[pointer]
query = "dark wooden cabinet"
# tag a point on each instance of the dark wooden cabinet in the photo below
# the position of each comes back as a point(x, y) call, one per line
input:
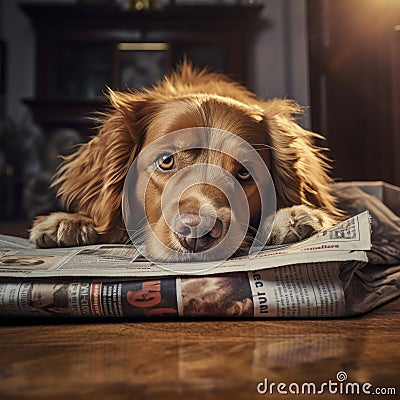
point(81, 49)
point(355, 84)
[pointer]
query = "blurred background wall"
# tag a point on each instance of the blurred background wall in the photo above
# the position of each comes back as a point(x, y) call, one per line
point(338, 58)
point(279, 68)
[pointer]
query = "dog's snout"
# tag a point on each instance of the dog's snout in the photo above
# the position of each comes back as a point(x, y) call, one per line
point(197, 232)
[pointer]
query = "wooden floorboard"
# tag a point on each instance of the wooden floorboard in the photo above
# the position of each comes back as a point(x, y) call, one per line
point(76, 359)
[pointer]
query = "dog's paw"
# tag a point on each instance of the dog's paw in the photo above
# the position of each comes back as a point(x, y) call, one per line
point(62, 230)
point(296, 223)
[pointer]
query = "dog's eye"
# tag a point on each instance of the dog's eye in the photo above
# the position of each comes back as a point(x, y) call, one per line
point(243, 175)
point(166, 162)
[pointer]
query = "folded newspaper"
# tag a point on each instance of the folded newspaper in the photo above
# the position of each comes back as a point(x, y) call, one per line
point(335, 273)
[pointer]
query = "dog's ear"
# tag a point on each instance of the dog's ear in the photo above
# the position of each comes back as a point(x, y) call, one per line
point(299, 168)
point(91, 179)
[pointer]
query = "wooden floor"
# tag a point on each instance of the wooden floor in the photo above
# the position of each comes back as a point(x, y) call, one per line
point(47, 359)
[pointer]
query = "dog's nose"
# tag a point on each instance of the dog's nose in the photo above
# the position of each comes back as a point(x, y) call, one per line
point(197, 232)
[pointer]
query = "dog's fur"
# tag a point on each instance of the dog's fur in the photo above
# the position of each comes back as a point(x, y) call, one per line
point(91, 179)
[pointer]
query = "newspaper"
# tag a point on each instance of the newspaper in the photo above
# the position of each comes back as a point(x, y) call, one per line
point(314, 290)
point(300, 280)
point(346, 241)
point(309, 290)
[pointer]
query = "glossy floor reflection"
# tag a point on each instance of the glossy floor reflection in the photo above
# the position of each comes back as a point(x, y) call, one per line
point(195, 359)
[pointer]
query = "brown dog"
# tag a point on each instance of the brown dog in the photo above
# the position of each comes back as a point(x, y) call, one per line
point(91, 179)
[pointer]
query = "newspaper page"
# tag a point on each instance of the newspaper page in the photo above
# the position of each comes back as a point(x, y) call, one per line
point(348, 240)
point(310, 290)
point(304, 290)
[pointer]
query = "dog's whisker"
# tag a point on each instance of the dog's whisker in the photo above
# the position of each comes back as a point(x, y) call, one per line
point(262, 146)
point(140, 236)
point(139, 239)
point(251, 230)
point(143, 222)
point(138, 231)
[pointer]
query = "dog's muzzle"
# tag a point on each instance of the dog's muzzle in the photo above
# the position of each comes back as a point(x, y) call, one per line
point(197, 232)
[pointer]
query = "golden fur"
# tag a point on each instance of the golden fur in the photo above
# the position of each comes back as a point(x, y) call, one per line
point(91, 179)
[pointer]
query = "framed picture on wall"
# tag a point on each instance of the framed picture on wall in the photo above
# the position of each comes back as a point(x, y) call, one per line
point(140, 64)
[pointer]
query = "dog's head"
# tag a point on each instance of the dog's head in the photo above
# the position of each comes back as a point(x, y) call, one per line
point(196, 176)
point(196, 217)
